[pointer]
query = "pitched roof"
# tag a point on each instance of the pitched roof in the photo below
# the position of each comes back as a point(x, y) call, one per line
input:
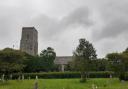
point(63, 59)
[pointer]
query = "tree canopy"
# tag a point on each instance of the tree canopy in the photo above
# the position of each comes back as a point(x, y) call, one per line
point(83, 54)
point(11, 60)
point(48, 56)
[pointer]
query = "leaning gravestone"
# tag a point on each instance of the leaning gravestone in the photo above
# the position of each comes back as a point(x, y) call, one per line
point(36, 83)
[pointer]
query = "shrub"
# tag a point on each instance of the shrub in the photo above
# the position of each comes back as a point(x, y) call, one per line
point(104, 74)
point(61, 75)
point(123, 77)
point(49, 75)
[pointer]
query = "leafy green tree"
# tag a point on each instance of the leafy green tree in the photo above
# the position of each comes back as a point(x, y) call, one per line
point(115, 63)
point(118, 62)
point(34, 64)
point(83, 55)
point(44, 62)
point(11, 60)
point(125, 57)
point(99, 65)
point(126, 50)
point(48, 56)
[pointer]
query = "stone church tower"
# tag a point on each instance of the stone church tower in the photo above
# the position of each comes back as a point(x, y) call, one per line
point(29, 41)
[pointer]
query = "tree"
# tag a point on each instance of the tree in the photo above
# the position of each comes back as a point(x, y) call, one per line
point(44, 62)
point(125, 57)
point(99, 65)
point(11, 61)
point(48, 55)
point(115, 63)
point(126, 50)
point(35, 64)
point(83, 55)
point(118, 62)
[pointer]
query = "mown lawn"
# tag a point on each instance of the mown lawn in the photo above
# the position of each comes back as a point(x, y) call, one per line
point(101, 83)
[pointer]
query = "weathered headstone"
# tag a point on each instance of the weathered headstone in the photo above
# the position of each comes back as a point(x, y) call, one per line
point(36, 77)
point(110, 76)
point(122, 81)
point(22, 77)
point(94, 86)
point(3, 78)
point(36, 85)
point(19, 78)
point(10, 76)
point(29, 78)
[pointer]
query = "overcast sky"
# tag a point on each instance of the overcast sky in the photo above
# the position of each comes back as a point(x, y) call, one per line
point(60, 23)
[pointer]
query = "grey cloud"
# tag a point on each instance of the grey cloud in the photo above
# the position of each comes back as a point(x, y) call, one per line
point(50, 28)
point(11, 21)
point(114, 29)
point(79, 16)
point(45, 25)
point(110, 16)
point(115, 20)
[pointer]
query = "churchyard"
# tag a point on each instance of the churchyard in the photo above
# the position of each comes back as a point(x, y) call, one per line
point(93, 83)
point(64, 44)
point(19, 70)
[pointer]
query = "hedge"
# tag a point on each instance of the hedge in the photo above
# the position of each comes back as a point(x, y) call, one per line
point(58, 75)
point(61, 75)
point(123, 77)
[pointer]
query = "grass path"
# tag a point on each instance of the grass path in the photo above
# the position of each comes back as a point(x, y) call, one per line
point(65, 84)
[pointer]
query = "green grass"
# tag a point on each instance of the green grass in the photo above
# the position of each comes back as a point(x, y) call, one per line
point(102, 83)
